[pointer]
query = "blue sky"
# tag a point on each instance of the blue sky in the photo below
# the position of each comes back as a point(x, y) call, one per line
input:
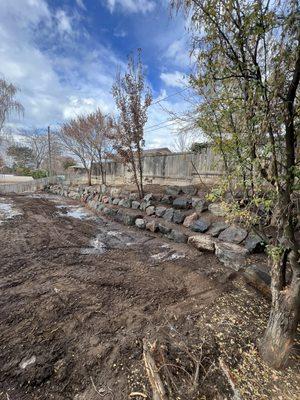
point(63, 56)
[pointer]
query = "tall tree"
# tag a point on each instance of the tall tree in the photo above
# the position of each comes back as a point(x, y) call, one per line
point(8, 104)
point(132, 100)
point(22, 155)
point(248, 72)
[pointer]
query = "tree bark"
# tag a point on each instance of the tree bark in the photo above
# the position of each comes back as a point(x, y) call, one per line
point(279, 336)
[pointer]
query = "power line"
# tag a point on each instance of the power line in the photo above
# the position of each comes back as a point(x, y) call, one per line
point(162, 125)
point(171, 95)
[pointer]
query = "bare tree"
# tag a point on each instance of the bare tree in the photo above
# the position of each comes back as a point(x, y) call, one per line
point(132, 101)
point(39, 146)
point(8, 104)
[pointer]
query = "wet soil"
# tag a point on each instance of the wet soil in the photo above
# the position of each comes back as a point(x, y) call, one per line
point(79, 293)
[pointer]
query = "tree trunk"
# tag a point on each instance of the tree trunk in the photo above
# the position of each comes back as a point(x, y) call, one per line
point(284, 316)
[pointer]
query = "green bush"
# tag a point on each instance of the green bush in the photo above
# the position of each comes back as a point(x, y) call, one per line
point(40, 173)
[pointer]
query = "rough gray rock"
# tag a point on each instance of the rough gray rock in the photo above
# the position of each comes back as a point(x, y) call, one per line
point(150, 210)
point(129, 219)
point(126, 203)
point(148, 197)
point(109, 211)
point(164, 229)
point(254, 243)
point(233, 234)
point(200, 225)
point(145, 204)
point(216, 209)
point(216, 228)
point(135, 204)
point(152, 226)
point(116, 201)
point(100, 206)
point(173, 190)
point(133, 196)
point(231, 255)
point(167, 199)
point(257, 277)
point(178, 217)
point(168, 215)
point(159, 211)
point(177, 236)
point(190, 190)
point(190, 219)
point(201, 206)
point(202, 242)
point(182, 203)
point(140, 223)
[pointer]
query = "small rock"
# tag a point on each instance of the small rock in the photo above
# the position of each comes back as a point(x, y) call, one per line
point(26, 362)
point(133, 196)
point(164, 229)
point(148, 197)
point(116, 201)
point(202, 242)
point(126, 203)
point(105, 199)
point(150, 210)
point(135, 204)
point(233, 234)
point(178, 217)
point(216, 209)
point(145, 204)
point(177, 236)
point(159, 211)
point(254, 243)
point(167, 199)
point(168, 215)
point(109, 211)
point(201, 206)
point(129, 219)
point(100, 206)
point(190, 190)
point(152, 226)
point(140, 223)
point(200, 225)
point(190, 219)
point(173, 190)
point(231, 255)
point(216, 228)
point(182, 203)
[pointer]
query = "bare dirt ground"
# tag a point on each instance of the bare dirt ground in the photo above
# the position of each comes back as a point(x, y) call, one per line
point(79, 293)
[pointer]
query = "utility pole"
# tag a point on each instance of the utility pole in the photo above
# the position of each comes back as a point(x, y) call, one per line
point(49, 152)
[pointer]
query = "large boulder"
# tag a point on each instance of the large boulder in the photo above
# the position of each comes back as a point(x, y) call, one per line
point(233, 234)
point(173, 190)
point(216, 209)
point(216, 228)
point(182, 203)
point(160, 210)
point(150, 210)
point(177, 236)
point(257, 277)
point(140, 223)
point(201, 225)
point(178, 217)
point(129, 218)
point(190, 219)
point(144, 204)
point(168, 215)
point(116, 201)
point(202, 242)
point(231, 255)
point(109, 211)
point(254, 243)
point(148, 197)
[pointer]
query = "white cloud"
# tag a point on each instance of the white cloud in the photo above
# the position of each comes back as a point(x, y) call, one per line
point(131, 6)
point(53, 85)
point(63, 22)
point(178, 52)
point(80, 4)
point(174, 79)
